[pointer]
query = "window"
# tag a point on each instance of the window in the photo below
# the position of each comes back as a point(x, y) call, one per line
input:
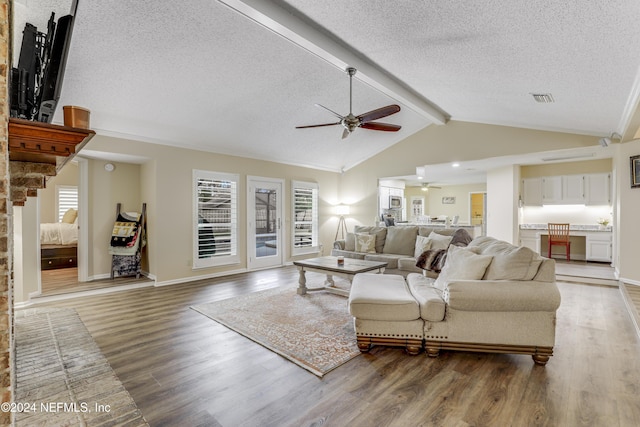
point(215, 238)
point(305, 217)
point(66, 198)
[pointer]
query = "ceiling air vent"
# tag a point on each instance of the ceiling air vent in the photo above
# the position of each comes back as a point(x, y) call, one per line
point(545, 98)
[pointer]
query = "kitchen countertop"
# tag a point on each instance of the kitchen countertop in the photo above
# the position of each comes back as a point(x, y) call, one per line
point(573, 227)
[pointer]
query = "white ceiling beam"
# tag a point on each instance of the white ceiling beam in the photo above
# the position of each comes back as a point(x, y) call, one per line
point(318, 43)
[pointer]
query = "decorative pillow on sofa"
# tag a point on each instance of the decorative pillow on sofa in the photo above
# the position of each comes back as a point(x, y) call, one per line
point(438, 241)
point(379, 232)
point(462, 264)
point(401, 240)
point(422, 244)
point(366, 243)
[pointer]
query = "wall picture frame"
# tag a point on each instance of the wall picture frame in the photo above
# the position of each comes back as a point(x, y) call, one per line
point(448, 200)
point(395, 202)
point(635, 171)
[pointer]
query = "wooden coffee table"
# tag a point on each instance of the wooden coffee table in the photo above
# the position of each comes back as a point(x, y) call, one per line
point(329, 266)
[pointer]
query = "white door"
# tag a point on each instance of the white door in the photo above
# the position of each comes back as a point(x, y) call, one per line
point(264, 222)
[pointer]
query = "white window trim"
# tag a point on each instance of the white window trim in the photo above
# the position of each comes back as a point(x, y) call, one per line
point(315, 246)
point(220, 260)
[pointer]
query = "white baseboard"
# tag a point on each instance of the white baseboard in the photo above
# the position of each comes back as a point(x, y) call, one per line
point(202, 277)
point(630, 281)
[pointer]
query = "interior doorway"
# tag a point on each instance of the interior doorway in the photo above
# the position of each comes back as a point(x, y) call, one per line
point(478, 209)
point(264, 222)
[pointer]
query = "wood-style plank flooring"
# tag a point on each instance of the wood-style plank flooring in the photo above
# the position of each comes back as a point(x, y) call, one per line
point(65, 280)
point(184, 369)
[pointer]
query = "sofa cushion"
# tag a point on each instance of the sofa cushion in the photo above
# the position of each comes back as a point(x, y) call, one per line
point(366, 243)
point(425, 230)
point(401, 240)
point(408, 264)
point(509, 262)
point(390, 259)
point(347, 254)
point(462, 264)
point(422, 244)
point(382, 297)
point(432, 306)
point(350, 242)
point(380, 232)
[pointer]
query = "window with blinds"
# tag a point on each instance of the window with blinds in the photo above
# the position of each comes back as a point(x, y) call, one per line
point(66, 198)
point(215, 219)
point(305, 217)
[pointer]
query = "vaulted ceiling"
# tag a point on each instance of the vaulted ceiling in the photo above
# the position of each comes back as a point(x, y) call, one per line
point(236, 77)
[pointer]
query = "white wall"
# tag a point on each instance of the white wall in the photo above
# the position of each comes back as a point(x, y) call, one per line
point(164, 182)
point(502, 211)
point(26, 257)
point(627, 213)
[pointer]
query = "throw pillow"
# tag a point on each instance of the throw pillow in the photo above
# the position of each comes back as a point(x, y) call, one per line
point(401, 240)
point(69, 216)
point(366, 243)
point(380, 233)
point(462, 264)
point(422, 244)
point(438, 241)
point(350, 242)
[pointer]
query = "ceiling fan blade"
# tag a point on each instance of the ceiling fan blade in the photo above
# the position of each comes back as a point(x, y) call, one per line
point(345, 133)
point(381, 126)
point(379, 113)
point(331, 111)
point(317, 126)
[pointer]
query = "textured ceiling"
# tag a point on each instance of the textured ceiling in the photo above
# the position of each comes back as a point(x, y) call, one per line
point(200, 74)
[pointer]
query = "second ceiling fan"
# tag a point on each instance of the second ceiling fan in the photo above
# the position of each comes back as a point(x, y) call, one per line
point(365, 121)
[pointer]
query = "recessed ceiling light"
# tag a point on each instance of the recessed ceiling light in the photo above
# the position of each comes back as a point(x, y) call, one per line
point(545, 98)
point(455, 165)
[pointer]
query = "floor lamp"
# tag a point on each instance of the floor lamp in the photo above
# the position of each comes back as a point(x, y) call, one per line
point(341, 210)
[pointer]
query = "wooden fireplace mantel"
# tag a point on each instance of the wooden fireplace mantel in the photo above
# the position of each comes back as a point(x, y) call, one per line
point(39, 142)
point(37, 152)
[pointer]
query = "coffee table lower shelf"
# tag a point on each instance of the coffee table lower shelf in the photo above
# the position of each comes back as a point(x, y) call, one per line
point(329, 266)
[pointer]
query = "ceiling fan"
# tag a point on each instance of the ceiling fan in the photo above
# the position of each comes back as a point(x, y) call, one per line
point(365, 121)
point(426, 186)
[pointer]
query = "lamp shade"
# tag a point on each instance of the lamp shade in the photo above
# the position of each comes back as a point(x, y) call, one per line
point(342, 210)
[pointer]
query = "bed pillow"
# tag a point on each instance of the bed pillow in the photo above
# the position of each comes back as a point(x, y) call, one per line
point(366, 243)
point(69, 216)
point(462, 264)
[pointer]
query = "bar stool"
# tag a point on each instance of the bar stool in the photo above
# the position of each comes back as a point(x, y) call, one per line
point(559, 236)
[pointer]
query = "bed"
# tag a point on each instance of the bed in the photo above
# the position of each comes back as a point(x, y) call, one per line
point(59, 243)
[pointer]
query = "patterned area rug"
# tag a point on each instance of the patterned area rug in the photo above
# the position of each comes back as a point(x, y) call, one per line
point(62, 378)
point(315, 331)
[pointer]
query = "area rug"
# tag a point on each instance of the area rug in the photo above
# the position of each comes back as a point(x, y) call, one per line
point(314, 331)
point(62, 378)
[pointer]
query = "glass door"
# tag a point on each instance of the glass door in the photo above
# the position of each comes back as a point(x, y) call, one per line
point(264, 217)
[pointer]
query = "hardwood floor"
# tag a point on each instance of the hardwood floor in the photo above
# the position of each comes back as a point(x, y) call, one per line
point(184, 369)
point(65, 280)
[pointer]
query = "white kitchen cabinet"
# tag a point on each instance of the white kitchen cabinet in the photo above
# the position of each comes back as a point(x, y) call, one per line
point(598, 189)
point(532, 191)
point(573, 189)
point(552, 190)
point(530, 239)
point(599, 247)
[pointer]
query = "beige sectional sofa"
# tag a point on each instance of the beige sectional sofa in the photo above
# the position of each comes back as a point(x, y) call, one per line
point(399, 245)
point(490, 297)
